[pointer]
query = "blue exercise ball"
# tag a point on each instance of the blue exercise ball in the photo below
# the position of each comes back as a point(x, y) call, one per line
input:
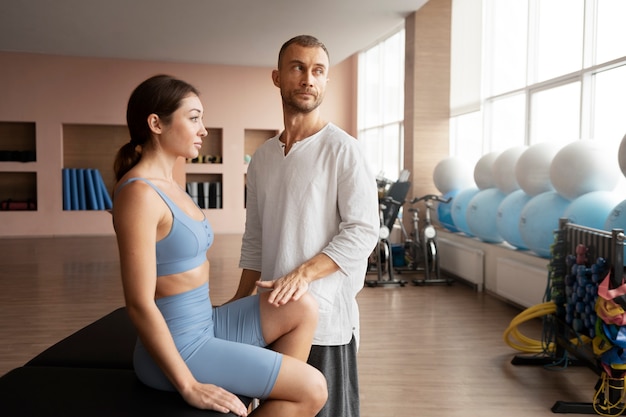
point(617, 219)
point(509, 212)
point(459, 209)
point(444, 212)
point(482, 212)
point(592, 209)
point(539, 219)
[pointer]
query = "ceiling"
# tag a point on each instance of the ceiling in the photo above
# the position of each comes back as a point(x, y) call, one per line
point(228, 32)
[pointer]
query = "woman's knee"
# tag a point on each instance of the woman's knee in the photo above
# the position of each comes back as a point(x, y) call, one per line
point(314, 394)
point(302, 384)
point(319, 390)
point(309, 305)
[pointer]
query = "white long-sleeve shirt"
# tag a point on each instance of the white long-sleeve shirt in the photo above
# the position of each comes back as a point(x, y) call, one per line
point(320, 197)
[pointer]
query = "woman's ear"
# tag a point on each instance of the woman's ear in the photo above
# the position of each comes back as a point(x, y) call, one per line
point(154, 122)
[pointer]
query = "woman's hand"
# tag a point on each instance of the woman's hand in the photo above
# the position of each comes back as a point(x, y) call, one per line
point(212, 397)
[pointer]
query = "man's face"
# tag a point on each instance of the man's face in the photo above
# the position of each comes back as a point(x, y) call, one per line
point(302, 77)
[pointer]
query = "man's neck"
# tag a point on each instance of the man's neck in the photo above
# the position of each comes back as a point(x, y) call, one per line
point(301, 126)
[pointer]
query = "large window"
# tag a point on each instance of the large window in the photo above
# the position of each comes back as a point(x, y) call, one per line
point(555, 114)
point(381, 104)
point(552, 70)
point(608, 116)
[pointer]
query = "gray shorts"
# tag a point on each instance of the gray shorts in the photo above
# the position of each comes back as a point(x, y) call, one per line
point(339, 366)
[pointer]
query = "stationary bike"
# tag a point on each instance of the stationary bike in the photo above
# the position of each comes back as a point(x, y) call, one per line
point(381, 258)
point(420, 246)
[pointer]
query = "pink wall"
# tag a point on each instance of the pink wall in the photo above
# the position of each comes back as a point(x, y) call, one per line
point(340, 105)
point(53, 90)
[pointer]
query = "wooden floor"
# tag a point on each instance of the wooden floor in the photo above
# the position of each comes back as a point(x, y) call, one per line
point(432, 350)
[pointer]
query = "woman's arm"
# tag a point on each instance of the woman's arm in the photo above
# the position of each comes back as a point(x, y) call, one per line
point(138, 215)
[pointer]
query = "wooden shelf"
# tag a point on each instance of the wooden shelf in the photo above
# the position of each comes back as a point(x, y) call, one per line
point(93, 146)
point(18, 186)
point(253, 138)
point(17, 136)
point(203, 168)
point(18, 180)
point(18, 167)
point(212, 145)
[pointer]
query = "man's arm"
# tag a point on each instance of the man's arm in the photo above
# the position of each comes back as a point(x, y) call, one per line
point(247, 284)
point(296, 283)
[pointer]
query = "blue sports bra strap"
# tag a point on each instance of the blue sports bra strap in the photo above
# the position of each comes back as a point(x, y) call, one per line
point(128, 181)
point(173, 207)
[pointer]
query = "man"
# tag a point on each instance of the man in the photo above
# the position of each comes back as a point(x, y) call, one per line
point(312, 219)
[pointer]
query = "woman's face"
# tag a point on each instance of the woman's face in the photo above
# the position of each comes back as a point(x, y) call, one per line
point(183, 136)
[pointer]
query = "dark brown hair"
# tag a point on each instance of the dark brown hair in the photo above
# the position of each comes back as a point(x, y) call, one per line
point(160, 95)
point(302, 40)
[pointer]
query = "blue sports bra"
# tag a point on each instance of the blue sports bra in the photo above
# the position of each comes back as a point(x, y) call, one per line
point(185, 246)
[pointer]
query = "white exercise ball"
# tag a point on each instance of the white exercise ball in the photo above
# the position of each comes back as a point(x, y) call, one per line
point(452, 173)
point(504, 169)
point(584, 166)
point(621, 155)
point(483, 171)
point(532, 170)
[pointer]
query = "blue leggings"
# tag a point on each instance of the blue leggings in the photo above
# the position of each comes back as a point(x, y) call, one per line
point(223, 346)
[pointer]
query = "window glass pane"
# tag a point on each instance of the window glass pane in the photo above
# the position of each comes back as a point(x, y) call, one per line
point(555, 115)
point(383, 149)
point(507, 122)
point(507, 34)
point(390, 151)
point(466, 136)
point(609, 124)
point(393, 79)
point(381, 104)
point(559, 42)
point(611, 30)
point(370, 138)
point(548, 39)
point(371, 79)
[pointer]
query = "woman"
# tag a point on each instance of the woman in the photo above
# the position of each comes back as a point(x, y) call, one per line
point(207, 354)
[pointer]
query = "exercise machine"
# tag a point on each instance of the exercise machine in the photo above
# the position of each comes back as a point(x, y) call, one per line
point(381, 258)
point(420, 245)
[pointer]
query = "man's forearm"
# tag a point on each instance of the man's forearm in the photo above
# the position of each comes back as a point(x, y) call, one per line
point(320, 266)
point(247, 283)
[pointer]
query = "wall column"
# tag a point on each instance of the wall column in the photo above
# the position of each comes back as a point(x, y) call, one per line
point(427, 93)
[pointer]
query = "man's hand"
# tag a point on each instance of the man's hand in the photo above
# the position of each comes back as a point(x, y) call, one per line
point(296, 283)
point(288, 288)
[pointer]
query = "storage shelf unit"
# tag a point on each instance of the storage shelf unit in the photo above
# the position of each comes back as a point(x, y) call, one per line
point(18, 180)
point(253, 138)
point(94, 146)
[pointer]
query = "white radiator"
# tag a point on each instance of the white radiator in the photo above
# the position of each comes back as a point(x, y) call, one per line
point(462, 261)
point(520, 282)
